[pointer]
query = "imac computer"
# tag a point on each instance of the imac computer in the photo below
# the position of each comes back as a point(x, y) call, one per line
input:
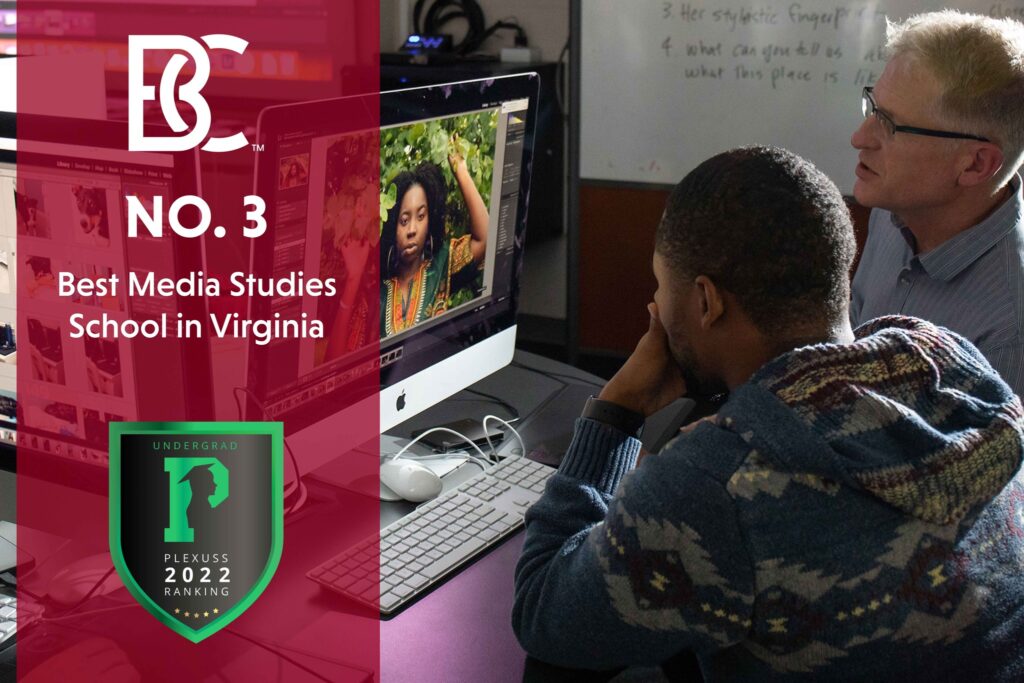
point(457, 156)
point(62, 188)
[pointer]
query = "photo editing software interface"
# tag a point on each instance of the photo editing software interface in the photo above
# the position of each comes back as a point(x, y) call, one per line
point(429, 299)
point(63, 208)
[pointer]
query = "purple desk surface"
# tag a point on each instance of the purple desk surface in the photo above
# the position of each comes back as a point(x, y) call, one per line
point(460, 632)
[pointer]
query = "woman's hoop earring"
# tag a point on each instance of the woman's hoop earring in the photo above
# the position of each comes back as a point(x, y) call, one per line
point(391, 252)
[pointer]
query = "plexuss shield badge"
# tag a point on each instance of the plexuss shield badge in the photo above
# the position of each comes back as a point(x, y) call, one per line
point(196, 517)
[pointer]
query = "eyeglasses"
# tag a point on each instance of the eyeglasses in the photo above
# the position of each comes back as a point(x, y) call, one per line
point(869, 108)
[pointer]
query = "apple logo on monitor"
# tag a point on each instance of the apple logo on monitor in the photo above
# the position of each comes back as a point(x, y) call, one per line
point(400, 401)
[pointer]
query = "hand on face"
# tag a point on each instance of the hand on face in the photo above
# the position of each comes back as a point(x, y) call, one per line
point(650, 379)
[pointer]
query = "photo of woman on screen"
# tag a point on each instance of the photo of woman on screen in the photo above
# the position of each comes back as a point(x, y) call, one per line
point(418, 259)
point(409, 247)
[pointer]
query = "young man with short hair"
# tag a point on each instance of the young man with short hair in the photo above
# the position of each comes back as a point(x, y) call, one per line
point(855, 511)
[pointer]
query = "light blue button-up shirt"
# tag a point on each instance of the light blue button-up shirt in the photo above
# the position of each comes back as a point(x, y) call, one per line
point(972, 283)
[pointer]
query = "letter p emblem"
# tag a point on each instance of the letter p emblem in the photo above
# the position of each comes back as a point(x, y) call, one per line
point(195, 484)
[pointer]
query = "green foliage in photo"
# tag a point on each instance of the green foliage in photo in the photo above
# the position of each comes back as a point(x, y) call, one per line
point(406, 147)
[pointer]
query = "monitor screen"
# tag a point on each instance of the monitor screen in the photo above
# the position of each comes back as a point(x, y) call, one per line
point(62, 210)
point(439, 221)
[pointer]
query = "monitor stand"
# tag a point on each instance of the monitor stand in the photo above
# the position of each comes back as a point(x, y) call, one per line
point(547, 429)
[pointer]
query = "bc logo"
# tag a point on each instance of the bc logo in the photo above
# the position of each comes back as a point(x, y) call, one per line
point(189, 93)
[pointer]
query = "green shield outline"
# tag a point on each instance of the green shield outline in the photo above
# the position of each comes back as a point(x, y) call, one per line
point(275, 430)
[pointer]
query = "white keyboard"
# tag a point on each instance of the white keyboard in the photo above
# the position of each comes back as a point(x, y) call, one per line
point(421, 549)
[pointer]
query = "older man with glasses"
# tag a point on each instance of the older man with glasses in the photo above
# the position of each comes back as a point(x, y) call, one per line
point(939, 148)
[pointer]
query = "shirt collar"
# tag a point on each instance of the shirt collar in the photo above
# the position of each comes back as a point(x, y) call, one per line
point(950, 258)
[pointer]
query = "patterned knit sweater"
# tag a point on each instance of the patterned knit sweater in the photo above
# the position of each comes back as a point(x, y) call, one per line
point(855, 513)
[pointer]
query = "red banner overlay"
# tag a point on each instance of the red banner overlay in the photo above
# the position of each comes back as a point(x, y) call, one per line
point(172, 265)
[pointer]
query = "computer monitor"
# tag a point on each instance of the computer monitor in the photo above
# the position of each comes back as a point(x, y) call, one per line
point(62, 208)
point(465, 325)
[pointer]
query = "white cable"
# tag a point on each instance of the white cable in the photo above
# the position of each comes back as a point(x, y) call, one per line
point(522, 446)
point(465, 457)
point(483, 456)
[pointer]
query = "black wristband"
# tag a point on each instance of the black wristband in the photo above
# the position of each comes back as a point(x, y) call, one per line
point(614, 415)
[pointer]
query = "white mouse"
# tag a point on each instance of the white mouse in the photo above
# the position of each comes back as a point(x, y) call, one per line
point(410, 480)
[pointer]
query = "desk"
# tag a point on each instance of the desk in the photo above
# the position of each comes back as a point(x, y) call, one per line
point(461, 631)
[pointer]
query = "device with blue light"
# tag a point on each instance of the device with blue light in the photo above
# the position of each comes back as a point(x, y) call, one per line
point(418, 43)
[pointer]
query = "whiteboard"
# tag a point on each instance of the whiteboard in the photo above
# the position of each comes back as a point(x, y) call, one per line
point(665, 84)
